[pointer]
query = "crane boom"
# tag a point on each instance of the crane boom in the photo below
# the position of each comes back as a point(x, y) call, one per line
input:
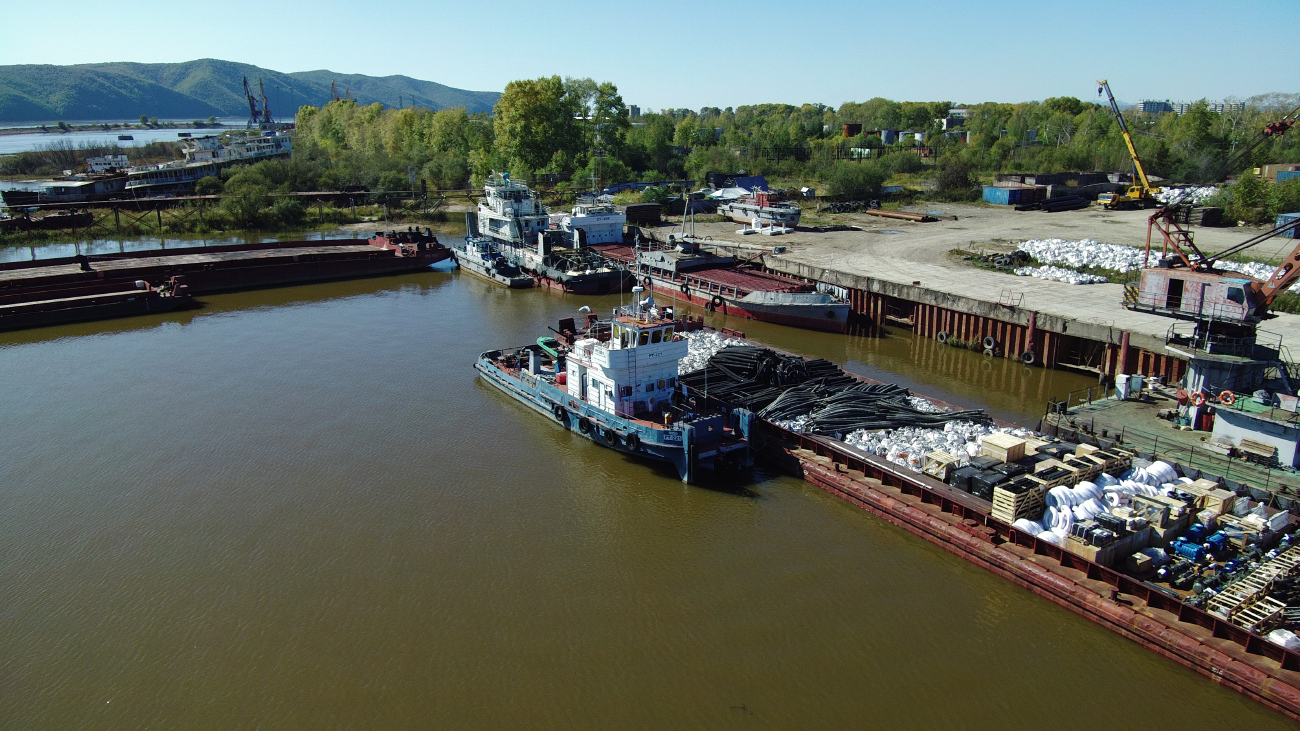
point(253, 114)
point(1128, 138)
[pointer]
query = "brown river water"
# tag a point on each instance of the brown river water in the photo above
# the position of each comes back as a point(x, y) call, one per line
point(297, 508)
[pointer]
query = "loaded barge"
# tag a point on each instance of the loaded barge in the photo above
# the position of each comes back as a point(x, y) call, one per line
point(55, 291)
point(1223, 638)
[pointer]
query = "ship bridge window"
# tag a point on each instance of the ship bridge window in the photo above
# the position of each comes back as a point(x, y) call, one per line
point(1237, 294)
point(643, 338)
point(657, 336)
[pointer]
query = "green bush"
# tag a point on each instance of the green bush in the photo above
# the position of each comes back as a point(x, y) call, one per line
point(210, 185)
point(855, 180)
point(288, 210)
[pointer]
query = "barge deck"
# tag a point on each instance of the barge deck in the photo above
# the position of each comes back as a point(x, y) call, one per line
point(963, 524)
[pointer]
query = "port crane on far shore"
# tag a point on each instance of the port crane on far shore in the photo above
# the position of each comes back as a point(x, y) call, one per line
point(1140, 194)
point(258, 117)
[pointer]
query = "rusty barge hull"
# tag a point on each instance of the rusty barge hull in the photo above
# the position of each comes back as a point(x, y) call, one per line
point(960, 523)
point(217, 268)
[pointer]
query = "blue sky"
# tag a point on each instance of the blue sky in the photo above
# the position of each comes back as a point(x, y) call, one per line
point(692, 54)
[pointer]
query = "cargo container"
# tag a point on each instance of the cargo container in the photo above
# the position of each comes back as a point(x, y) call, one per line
point(1284, 218)
point(1013, 195)
point(1286, 175)
point(1274, 171)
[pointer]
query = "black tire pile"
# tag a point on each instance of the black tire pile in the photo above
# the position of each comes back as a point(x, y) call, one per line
point(780, 387)
point(860, 406)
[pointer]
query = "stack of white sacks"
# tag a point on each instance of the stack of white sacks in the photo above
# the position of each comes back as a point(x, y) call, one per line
point(1057, 274)
point(908, 446)
point(1089, 253)
point(702, 344)
point(1087, 500)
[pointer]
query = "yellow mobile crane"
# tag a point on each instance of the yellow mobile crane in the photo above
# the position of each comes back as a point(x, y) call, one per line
point(1140, 193)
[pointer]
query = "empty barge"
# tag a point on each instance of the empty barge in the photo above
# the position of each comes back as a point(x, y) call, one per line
point(55, 291)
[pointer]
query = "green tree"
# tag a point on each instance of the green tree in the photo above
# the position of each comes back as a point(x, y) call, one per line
point(534, 122)
point(144, 119)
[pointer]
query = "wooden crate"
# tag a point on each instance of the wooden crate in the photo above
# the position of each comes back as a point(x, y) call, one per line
point(939, 464)
point(1032, 445)
point(1083, 449)
point(1084, 469)
point(1021, 498)
point(1067, 476)
point(1220, 501)
point(1115, 459)
point(1002, 447)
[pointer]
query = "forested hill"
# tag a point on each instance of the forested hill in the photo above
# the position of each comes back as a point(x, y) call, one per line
point(199, 89)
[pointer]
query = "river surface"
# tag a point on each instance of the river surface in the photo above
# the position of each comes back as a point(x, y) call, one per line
point(297, 508)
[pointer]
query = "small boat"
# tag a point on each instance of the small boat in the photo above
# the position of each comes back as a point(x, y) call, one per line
point(763, 207)
point(615, 383)
point(125, 138)
point(480, 256)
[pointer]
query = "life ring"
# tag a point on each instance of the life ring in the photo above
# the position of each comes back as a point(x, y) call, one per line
point(1198, 399)
point(633, 442)
point(560, 414)
point(989, 342)
point(942, 337)
point(717, 301)
point(648, 283)
point(1028, 357)
point(611, 437)
point(584, 425)
point(1227, 398)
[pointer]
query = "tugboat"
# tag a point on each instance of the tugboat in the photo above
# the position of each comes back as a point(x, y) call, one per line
point(616, 384)
point(480, 256)
point(510, 214)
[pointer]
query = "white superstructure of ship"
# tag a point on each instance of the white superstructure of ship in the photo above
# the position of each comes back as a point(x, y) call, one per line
point(205, 156)
point(763, 207)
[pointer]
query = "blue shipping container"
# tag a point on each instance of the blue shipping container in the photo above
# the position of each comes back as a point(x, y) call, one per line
point(1287, 218)
point(1002, 196)
point(1286, 175)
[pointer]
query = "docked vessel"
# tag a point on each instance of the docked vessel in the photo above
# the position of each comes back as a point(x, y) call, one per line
point(616, 384)
point(480, 256)
point(511, 215)
point(96, 302)
point(105, 178)
point(599, 223)
point(686, 271)
point(763, 207)
point(205, 156)
point(68, 282)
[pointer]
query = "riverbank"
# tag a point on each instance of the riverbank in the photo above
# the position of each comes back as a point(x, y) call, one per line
point(111, 127)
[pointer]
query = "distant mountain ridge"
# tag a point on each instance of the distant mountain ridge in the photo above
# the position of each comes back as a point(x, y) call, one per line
point(199, 89)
